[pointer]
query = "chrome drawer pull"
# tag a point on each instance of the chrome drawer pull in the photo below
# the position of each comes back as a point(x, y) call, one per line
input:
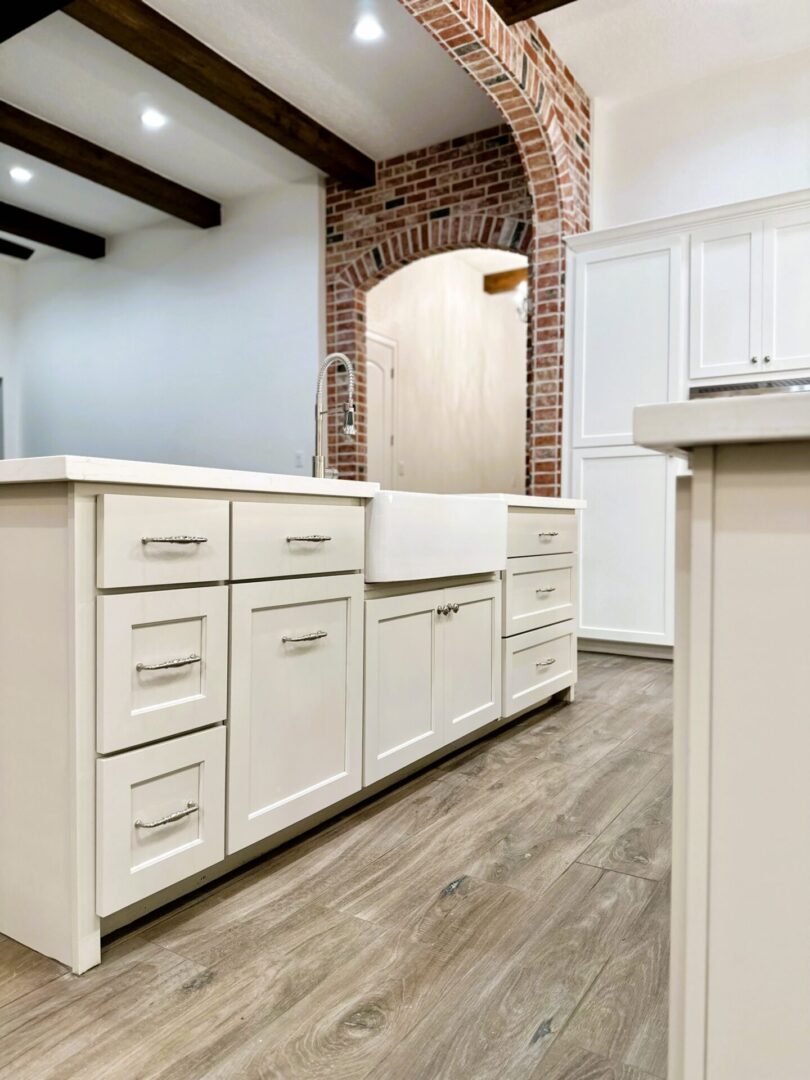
point(549, 660)
point(548, 589)
point(191, 808)
point(181, 661)
point(316, 635)
point(174, 539)
point(548, 534)
point(315, 539)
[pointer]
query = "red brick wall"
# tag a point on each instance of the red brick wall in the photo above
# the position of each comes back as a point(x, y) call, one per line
point(548, 115)
point(469, 192)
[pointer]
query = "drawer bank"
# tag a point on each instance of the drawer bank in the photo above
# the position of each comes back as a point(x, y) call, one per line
point(193, 670)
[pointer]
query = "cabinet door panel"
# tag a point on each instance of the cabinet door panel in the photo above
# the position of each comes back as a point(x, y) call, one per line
point(296, 714)
point(725, 300)
point(627, 554)
point(472, 658)
point(786, 308)
point(627, 337)
point(403, 706)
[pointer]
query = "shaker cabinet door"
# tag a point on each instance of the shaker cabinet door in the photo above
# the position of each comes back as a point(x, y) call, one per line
point(472, 658)
point(295, 730)
point(786, 288)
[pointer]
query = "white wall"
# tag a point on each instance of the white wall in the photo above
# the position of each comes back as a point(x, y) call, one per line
point(739, 135)
point(461, 377)
point(186, 346)
point(9, 432)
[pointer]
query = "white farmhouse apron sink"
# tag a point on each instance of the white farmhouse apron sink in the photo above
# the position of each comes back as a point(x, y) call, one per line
point(413, 536)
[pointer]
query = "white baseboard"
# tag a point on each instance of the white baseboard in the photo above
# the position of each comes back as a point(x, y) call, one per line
point(626, 648)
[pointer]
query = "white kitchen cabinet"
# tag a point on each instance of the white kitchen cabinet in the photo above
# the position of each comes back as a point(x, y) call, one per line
point(786, 288)
point(296, 716)
point(432, 672)
point(627, 336)
point(627, 545)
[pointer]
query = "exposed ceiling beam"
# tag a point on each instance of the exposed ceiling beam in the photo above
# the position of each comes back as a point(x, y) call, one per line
point(18, 15)
point(16, 251)
point(51, 143)
point(515, 11)
point(43, 230)
point(150, 36)
point(505, 280)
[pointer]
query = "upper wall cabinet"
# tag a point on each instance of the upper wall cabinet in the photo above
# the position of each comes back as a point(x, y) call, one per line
point(725, 324)
point(627, 336)
point(786, 291)
point(749, 313)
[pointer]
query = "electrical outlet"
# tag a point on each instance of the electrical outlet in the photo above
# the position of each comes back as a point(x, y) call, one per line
point(401, 468)
point(299, 459)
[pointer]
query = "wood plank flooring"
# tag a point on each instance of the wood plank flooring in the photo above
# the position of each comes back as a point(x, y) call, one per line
point(502, 916)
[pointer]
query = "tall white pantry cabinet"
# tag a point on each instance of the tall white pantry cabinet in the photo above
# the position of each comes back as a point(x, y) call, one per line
point(653, 310)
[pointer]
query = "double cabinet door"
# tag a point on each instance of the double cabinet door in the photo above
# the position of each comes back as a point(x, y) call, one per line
point(296, 712)
point(748, 296)
point(433, 672)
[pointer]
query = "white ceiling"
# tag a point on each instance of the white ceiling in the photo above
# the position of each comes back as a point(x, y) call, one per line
point(628, 48)
point(386, 97)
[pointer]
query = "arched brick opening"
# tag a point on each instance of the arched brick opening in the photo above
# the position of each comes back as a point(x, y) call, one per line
point(548, 114)
point(348, 301)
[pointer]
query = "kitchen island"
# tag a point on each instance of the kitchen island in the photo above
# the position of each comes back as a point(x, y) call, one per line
point(740, 982)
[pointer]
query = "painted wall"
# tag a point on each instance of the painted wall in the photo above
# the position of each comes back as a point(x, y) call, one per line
point(461, 377)
point(183, 346)
point(9, 432)
point(739, 135)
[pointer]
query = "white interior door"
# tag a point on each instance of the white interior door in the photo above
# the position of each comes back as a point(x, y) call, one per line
point(381, 355)
point(627, 552)
point(786, 288)
point(726, 300)
point(628, 336)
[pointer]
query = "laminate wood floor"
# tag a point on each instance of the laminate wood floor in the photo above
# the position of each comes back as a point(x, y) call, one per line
point(501, 916)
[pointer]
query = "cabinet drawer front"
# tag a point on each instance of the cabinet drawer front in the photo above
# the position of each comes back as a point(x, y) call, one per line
point(538, 592)
point(288, 539)
point(161, 816)
point(152, 540)
point(295, 737)
point(541, 532)
point(538, 664)
point(162, 664)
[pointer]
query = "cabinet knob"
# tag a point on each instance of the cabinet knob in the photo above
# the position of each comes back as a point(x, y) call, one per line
point(454, 608)
point(754, 359)
point(766, 359)
point(443, 610)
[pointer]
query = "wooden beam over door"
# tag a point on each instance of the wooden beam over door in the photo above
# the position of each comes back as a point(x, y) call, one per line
point(15, 251)
point(50, 143)
point(18, 15)
point(151, 37)
point(505, 280)
point(44, 230)
point(515, 11)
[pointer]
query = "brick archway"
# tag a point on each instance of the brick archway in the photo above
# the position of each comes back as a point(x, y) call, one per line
point(396, 251)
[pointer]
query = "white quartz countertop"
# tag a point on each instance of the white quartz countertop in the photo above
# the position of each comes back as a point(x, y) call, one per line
point(759, 418)
point(153, 474)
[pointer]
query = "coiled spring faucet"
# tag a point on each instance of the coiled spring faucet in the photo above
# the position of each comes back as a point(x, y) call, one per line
point(319, 463)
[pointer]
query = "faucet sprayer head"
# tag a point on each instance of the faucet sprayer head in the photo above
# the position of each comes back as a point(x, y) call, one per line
point(349, 425)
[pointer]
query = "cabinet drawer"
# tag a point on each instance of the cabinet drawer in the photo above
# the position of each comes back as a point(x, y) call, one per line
point(152, 540)
point(538, 592)
point(541, 532)
point(537, 664)
point(160, 816)
point(296, 709)
point(288, 539)
point(162, 664)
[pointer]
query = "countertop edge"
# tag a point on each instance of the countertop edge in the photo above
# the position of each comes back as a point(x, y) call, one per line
point(682, 425)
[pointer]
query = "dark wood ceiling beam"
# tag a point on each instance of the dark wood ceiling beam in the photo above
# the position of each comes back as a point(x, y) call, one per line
point(44, 230)
point(515, 11)
point(505, 280)
point(15, 251)
point(50, 143)
point(151, 37)
point(18, 15)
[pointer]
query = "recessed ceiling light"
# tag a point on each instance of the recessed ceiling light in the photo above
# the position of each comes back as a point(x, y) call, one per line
point(20, 175)
point(154, 120)
point(367, 28)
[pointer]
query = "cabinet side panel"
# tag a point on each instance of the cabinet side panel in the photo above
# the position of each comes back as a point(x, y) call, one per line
point(36, 848)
